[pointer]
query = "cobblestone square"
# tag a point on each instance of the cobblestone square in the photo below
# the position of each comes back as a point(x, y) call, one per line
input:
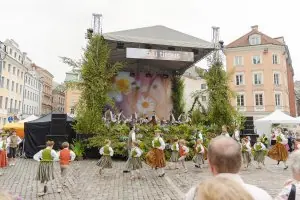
point(85, 183)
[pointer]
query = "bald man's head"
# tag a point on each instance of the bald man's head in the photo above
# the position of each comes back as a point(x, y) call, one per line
point(224, 155)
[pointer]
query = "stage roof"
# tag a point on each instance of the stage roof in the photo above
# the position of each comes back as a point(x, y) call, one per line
point(159, 35)
point(156, 38)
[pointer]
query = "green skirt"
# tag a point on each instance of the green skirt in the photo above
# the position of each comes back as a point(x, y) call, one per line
point(135, 163)
point(259, 156)
point(45, 172)
point(198, 159)
point(174, 156)
point(105, 162)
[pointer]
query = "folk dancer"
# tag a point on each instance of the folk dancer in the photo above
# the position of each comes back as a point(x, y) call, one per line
point(174, 153)
point(265, 140)
point(3, 153)
point(155, 158)
point(45, 173)
point(172, 119)
point(297, 142)
point(224, 131)
point(236, 135)
point(131, 139)
point(106, 153)
point(259, 153)
point(135, 163)
point(278, 151)
point(13, 142)
point(198, 159)
point(183, 152)
point(183, 117)
point(65, 156)
point(246, 152)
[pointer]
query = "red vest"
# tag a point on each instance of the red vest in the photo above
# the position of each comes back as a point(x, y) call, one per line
point(181, 151)
point(65, 157)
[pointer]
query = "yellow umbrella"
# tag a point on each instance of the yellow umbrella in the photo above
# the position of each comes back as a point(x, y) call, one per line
point(18, 127)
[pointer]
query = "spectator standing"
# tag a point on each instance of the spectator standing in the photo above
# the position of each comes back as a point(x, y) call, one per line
point(225, 160)
point(13, 142)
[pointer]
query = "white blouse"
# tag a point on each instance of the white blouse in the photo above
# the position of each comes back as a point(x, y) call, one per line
point(111, 151)
point(161, 141)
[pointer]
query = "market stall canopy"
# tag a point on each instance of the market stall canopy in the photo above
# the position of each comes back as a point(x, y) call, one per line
point(28, 119)
point(278, 117)
point(18, 127)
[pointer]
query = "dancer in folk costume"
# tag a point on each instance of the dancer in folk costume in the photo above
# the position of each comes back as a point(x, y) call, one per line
point(259, 153)
point(131, 139)
point(155, 158)
point(246, 152)
point(45, 173)
point(278, 151)
point(265, 140)
point(183, 152)
point(135, 163)
point(175, 153)
point(105, 161)
point(3, 153)
point(224, 131)
point(236, 135)
point(65, 156)
point(13, 142)
point(198, 159)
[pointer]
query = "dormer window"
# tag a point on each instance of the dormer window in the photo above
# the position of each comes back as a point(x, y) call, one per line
point(255, 39)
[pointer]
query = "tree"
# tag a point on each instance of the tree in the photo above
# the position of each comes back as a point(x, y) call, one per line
point(97, 74)
point(177, 95)
point(220, 111)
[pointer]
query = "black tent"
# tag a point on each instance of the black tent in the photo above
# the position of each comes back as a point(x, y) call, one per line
point(37, 132)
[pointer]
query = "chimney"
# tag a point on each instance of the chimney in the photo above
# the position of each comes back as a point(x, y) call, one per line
point(255, 27)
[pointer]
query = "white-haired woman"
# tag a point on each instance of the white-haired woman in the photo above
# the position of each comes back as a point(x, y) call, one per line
point(291, 188)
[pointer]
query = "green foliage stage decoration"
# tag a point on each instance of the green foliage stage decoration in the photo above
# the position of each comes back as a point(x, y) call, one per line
point(177, 95)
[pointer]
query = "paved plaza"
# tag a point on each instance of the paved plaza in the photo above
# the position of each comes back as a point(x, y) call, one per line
point(85, 183)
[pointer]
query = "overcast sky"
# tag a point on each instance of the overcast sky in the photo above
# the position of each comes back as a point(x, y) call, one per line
point(53, 28)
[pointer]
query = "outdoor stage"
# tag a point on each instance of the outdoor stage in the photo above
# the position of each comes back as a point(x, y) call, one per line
point(152, 56)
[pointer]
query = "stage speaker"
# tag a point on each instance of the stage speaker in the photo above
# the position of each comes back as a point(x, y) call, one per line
point(248, 126)
point(58, 124)
point(58, 140)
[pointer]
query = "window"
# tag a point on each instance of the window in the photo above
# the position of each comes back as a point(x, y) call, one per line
point(9, 66)
point(17, 87)
point(258, 79)
point(18, 72)
point(203, 98)
point(19, 105)
point(2, 81)
point(21, 87)
point(14, 70)
point(1, 100)
point(277, 99)
point(27, 94)
point(11, 103)
point(7, 84)
point(15, 54)
point(203, 86)
point(10, 51)
point(239, 79)
point(22, 75)
point(12, 86)
point(259, 101)
point(240, 100)
point(16, 102)
point(254, 40)
point(4, 64)
point(4, 121)
point(238, 60)
point(275, 59)
point(256, 60)
point(27, 109)
point(19, 58)
point(6, 102)
point(276, 78)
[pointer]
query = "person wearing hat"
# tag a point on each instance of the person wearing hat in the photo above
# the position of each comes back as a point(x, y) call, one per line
point(259, 152)
point(156, 157)
point(224, 131)
point(3, 153)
